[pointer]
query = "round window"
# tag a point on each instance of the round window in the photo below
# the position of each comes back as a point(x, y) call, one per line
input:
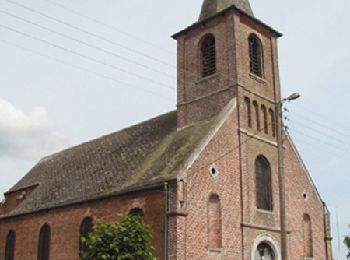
point(213, 170)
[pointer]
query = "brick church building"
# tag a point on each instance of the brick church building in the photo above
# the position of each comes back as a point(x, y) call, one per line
point(205, 177)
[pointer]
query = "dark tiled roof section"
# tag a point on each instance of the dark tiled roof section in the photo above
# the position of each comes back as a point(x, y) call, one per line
point(138, 156)
point(212, 7)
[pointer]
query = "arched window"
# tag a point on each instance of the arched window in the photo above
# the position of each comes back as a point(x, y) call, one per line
point(208, 55)
point(255, 55)
point(263, 184)
point(307, 232)
point(273, 122)
point(257, 115)
point(248, 111)
point(266, 124)
point(86, 227)
point(214, 222)
point(44, 242)
point(10, 245)
point(264, 252)
point(136, 212)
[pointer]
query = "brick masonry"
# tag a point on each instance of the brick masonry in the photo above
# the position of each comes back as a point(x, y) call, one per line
point(65, 225)
point(231, 147)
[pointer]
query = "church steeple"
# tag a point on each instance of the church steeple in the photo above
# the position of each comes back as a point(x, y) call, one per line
point(212, 7)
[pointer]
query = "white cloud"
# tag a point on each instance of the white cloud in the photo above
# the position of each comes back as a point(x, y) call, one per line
point(27, 135)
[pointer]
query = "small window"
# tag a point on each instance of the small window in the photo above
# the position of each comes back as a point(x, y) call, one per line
point(263, 184)
point(86, 228)
point(257, 115)
point(208, 55)
point(10, 246)
point(136, 212)
point(248, 111)
point(266, 124)
point(214, 222)
point(255, 55)
point(213, 170)
point(44, 243)
point(273, 122)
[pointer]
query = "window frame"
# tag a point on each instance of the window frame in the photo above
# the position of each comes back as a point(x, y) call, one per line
point(44, 242)
point(205, 69)
point(256, 56)
point(86, 227)
point(263, 184)
point(10, 246)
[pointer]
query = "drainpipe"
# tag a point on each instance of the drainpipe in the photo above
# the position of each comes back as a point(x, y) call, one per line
point(166, 190)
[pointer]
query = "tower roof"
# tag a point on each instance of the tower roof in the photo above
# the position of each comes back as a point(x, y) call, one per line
point(212, 7)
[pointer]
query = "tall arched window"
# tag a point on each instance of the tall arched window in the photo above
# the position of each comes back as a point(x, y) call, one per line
point(44, 242)
point(208, 55)
point(266, 124)
point(136, 212)
point(10, 245)
point(307, 232)
point(214, 222)
point(255, 55)
point(263, 184)
point(273, 122)
point(257, 115)
point(86, 227)
point(248, 111)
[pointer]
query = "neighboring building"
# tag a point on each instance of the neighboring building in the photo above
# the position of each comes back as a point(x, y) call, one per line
point(205, 177)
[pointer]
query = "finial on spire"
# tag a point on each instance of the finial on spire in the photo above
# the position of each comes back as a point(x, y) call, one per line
point(212, 7)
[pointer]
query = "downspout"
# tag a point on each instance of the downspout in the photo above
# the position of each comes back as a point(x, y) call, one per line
point(166, 191)
point(240, 170)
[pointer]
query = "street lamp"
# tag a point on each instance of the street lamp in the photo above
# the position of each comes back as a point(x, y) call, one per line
point(282, 187)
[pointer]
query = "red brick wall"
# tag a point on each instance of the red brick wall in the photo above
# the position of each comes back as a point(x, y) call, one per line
point(242, 222)
point(65, 224)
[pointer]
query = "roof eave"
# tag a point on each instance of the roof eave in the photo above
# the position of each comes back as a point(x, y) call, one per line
point(143, 188)
point(222, 13)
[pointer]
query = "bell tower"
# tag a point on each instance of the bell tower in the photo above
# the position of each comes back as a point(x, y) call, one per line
point(227, 53)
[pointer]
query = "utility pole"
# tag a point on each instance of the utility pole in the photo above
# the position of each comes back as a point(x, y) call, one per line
point(281, 179)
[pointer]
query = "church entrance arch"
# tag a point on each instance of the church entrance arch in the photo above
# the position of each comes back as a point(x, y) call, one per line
point(265, 248)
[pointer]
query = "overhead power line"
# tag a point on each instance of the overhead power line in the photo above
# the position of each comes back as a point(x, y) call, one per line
point(315, 130)
point(86, 44)
point(100, 37)
point(85, 56)
point(220, 80)
point(119, 83)
point(111, 27)
point(323, 125)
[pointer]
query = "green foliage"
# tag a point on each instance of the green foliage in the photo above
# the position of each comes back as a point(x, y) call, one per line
point(347, 243)
point(127, 239)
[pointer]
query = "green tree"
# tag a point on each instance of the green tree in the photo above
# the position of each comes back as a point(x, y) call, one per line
point(347, 243)
point(127, 239)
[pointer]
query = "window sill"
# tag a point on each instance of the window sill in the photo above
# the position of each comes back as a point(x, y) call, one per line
point(257, 78)
point(264, 211)
point(207, 78)
point(215, 250)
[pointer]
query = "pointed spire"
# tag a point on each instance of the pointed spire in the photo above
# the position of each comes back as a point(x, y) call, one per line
point(212, 7)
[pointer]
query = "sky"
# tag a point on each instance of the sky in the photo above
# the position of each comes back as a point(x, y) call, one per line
point(73, 70)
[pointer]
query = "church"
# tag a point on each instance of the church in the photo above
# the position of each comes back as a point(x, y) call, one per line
point(212, 179)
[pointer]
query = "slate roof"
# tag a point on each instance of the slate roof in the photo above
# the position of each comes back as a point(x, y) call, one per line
point(138, 156)
point(212, 7)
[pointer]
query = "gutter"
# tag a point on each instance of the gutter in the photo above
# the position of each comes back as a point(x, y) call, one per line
point(154, 186)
